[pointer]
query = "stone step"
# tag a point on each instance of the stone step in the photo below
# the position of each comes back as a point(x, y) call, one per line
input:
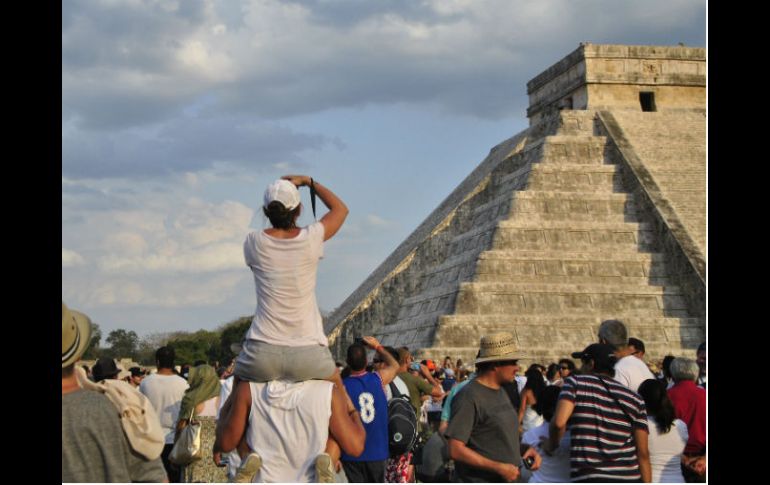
point(529, 298)
point(474, 241)
point(567, 122)
point(571, 149)
point(519, 233)
point(541, 204)
point(565, 330)
point(574, 178)
point(516, 263)
point(631, 320)
point(630, 256)
point(576, 122)
point(484, 275)
point(557, 205)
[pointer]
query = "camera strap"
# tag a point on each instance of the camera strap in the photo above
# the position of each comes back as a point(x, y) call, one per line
point(312, 197)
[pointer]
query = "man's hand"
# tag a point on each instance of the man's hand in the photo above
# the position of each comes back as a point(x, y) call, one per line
point(371, 342)
point(510, 473)
point(531, 452)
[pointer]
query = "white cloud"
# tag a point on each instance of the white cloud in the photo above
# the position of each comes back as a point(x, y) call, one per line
point(377, 221)
point(276, 58)
point(70, 258)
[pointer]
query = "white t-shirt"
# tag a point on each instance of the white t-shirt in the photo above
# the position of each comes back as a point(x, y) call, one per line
point(631, 372)
point(400, 385)
point(288, 428)
point(521, 381)
point(233, 458)
point(556, 468)
point(666, 451)
point(285, 279)
point(165, 393)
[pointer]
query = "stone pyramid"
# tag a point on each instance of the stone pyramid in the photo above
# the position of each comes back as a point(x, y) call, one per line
point(596, 211)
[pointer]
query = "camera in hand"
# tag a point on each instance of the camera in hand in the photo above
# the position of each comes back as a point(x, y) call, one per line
point(528, 462)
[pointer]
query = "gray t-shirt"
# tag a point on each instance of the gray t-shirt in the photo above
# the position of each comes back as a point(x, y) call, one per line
point(94, 447)
point(487, 423)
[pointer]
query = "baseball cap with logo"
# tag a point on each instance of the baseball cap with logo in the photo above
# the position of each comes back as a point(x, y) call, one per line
point(603, 355)
point(75, 335)
point(284, 192)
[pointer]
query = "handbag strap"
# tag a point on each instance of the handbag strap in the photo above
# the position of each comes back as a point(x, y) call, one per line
point(616, 400)
point(394, 390)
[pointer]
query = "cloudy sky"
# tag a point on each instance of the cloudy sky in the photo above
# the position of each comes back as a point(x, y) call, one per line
point(177, 114)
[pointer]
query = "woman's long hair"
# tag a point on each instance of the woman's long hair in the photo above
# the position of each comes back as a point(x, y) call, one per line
point(534, 381)
point(658, 404)
point(280, 217)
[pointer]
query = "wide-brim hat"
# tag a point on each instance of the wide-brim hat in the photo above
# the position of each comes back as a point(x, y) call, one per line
point(497, 347)
point(107, 368)
point(75, 335)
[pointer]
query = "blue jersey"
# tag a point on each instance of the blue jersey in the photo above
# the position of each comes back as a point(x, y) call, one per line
point(366, 393)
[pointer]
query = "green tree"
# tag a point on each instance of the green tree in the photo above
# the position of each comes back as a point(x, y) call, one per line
point(148, 345)
point(93, 351)
point(201, 345)
point(122, 343)
point(230, 333)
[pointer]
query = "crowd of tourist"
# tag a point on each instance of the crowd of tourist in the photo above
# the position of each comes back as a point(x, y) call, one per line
point(285, 411)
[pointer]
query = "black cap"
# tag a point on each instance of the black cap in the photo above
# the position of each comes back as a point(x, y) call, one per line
point(105, 368)
point(603, 356)
point(136, 371)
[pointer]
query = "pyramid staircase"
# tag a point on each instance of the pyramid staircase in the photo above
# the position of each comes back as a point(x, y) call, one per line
point(556, 247)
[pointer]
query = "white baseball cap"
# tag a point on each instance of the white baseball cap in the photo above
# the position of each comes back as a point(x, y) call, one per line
point(284, 192)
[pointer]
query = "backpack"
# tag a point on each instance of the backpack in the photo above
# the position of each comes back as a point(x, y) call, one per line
point(402, 423)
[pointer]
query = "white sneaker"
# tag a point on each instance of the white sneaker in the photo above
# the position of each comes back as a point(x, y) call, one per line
point(250, 467)
point(324, 469)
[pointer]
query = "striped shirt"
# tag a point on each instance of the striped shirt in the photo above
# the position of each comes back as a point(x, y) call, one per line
point(602, 444)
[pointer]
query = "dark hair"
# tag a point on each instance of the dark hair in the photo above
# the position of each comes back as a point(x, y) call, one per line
point(199, 362)
point(392, 351)
point(569, 363)
point(280, 217)
point(546, 401)
point(356, 357)
point(638, 344)
point(483, 367)
point(553, 369)
point(165, 357)
point(702, 347)
point(667, 360)
point(534, 380)
point(658, 404)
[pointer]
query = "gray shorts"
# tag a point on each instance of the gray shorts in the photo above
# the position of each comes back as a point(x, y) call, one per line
point(263, 362)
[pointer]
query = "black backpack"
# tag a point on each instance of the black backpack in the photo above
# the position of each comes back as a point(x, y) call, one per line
point(402, 423)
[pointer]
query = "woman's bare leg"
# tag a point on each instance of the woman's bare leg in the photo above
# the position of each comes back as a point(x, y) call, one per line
point(334, 451)
point(336, 378)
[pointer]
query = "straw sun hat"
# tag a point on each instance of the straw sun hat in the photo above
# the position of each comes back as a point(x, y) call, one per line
point(497, 347)
point(75, 335)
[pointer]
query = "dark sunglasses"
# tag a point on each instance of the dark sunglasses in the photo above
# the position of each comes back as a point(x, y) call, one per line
point(564, 368)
